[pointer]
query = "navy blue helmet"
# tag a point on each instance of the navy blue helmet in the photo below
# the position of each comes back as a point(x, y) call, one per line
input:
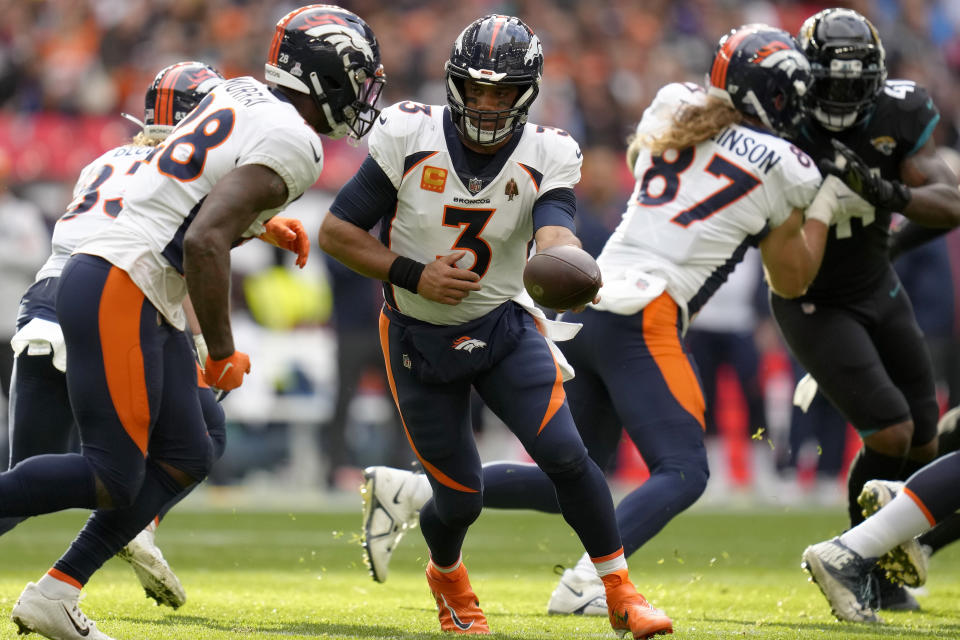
point(332, 55)
point(496, 50)
point(764, 74)
point(174, 93)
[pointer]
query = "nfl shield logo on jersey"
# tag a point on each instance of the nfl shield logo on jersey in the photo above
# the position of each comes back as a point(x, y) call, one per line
point(475, 185)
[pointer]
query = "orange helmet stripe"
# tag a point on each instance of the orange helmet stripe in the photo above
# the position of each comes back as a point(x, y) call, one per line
point(718, 74)
point(274, 54)
point(163, 112)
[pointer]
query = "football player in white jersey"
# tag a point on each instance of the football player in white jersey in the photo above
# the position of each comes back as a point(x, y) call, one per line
point(41, 421)
point(242, 155)
point(713, 178)
point(462, 190)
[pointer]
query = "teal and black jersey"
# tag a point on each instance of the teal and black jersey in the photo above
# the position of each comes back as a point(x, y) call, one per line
point(902, 121)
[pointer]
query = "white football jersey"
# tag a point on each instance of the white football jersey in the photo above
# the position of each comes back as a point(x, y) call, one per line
point(97, 199)
point(490, 217)
point(240, 122)
point(693, 214)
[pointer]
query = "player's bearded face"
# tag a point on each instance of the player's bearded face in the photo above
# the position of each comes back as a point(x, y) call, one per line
point(488, 97)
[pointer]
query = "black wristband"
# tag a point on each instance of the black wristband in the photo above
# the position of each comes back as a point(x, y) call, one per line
point(405, 272)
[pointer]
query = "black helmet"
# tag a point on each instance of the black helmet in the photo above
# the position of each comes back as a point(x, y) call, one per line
point(847, 59)
point(332, 55)
point(760, 70)
point(496, 50)
point(174, 93)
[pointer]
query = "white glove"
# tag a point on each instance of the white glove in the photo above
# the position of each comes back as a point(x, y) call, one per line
point(202, 351)
point(835, 203)
point(804, 393)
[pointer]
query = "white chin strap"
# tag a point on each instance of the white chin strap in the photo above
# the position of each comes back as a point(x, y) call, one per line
point(751, 99)
point(833, 122)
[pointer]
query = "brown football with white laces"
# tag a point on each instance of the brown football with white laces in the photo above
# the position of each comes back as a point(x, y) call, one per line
point(562, 277)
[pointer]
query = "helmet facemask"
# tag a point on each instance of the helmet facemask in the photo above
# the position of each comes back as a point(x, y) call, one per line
point(843, 92)
point(484, 127)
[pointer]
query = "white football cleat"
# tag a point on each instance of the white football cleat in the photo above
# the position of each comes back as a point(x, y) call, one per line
point(58, 619)
point(389, 509)
point(579, 593)
point(907, 563)
point(158, 579)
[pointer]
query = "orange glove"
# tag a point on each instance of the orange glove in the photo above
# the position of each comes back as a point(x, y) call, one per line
point(288, 233)
point(227, 374)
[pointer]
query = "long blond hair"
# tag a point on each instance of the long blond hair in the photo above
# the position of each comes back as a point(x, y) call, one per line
point(143, 140)
point(691, 125)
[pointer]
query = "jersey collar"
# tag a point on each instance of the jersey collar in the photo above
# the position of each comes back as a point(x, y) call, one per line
point(458, 154)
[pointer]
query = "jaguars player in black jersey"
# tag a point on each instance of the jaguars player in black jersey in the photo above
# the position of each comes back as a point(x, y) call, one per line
point(854, 330)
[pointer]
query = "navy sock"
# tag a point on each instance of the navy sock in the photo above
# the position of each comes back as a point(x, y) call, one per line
point(6, 524)
point(587, 507)
point(946, 531)
point(445, 542)
point(514, 485)
point(108, 531)
point(647, 509)
point(48, 483)
point(868, 465)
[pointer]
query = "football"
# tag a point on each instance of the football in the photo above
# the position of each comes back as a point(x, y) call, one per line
point(562, 277)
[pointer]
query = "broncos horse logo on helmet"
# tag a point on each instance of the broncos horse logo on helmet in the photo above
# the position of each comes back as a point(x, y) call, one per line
point(332, 55)
point(848, 65)
point(762, 73)
point(174, 92)
point(496, 50)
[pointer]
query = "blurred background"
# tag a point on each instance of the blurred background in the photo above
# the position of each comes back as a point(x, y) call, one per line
point(314, 411)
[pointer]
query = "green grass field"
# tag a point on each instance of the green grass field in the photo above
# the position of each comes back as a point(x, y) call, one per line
point(274, 575)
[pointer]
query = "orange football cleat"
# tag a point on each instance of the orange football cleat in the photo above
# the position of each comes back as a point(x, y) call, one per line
point(630, 613)
point(457, 604)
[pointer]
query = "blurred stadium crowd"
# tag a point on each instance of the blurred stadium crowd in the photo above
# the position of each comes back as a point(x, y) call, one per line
point(69, 67)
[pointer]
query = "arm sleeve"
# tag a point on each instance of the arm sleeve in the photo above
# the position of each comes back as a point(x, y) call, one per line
point(556, 207)
point(910, 236)
point(367, 198)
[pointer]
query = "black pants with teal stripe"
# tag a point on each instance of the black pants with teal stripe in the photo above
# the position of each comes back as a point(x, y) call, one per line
point(524, 389)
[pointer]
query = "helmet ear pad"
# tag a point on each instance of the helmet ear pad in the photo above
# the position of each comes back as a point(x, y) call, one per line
point(333, 56)
point(495, 50)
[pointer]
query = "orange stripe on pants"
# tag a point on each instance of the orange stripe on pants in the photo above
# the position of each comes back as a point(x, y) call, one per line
point(120, 307)
point(441, 477)
point(663, 342)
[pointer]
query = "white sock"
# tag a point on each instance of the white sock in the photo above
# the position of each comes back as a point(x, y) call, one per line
point(56, 589)
point(422, 491)
point(900, 520)
point(585, 565)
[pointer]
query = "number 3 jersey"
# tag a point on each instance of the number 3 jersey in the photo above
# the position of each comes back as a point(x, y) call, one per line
point(694, 213)
point(240, 122)
point(444, 205)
